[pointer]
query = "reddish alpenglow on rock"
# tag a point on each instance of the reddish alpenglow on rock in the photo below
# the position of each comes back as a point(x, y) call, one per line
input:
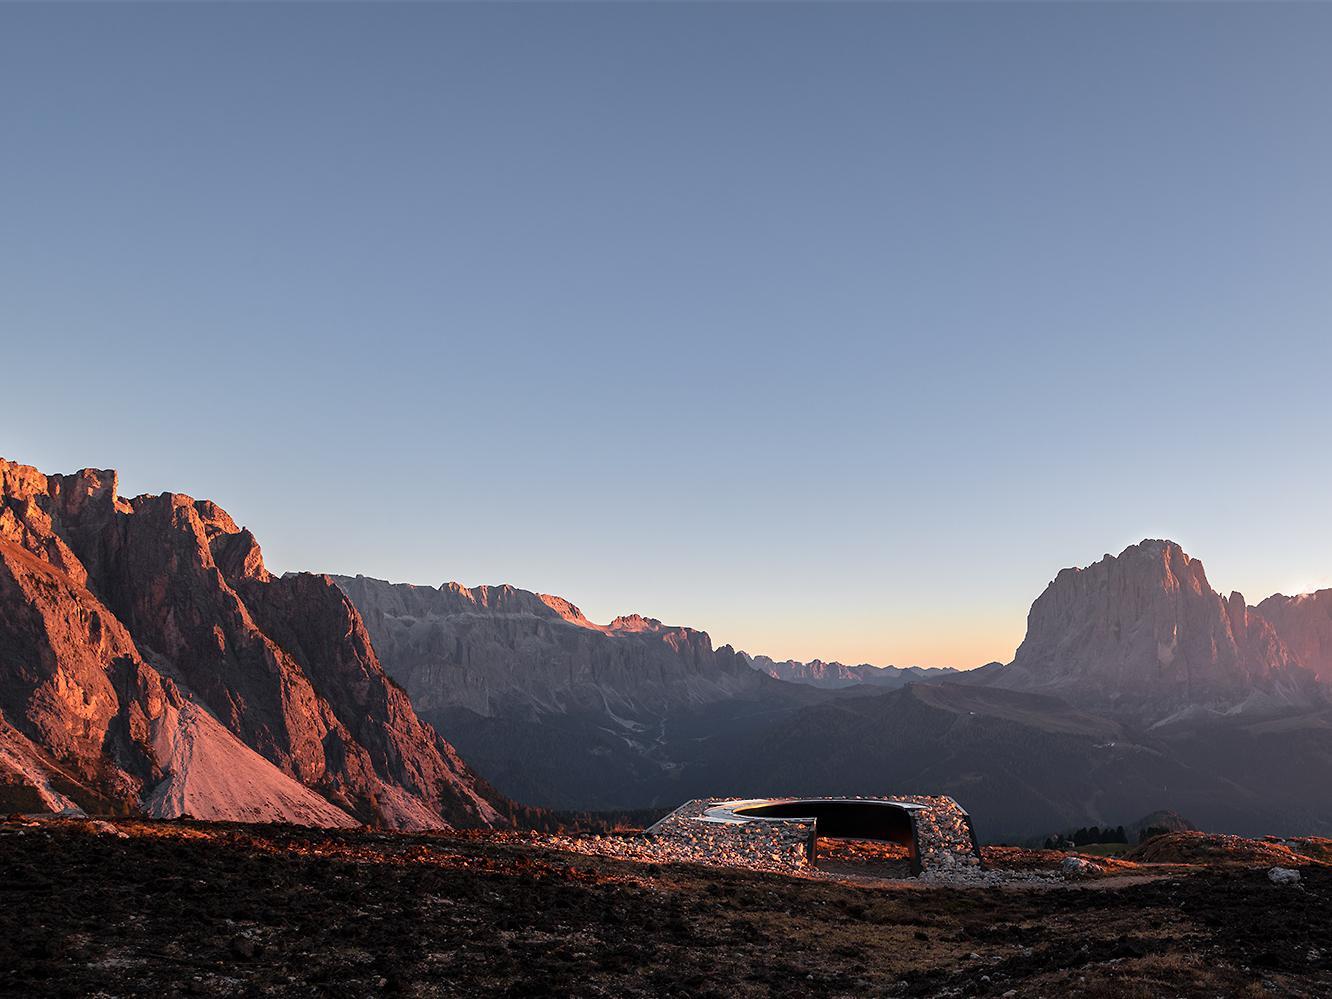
point(151, 662)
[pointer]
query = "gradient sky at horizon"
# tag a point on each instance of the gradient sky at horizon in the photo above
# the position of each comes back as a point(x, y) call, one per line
point(836, 330)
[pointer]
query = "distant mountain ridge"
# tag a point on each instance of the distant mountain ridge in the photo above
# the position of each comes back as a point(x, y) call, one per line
point(834, 675)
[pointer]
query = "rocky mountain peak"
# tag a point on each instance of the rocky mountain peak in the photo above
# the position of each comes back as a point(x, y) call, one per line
point(1150, 562)
point(1145, 632)
point(1304, 623)
point(565, 610)
point(145, 647)
point(636, 623)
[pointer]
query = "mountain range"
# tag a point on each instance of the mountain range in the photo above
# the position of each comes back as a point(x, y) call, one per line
point(149, 662)
point(835, 675)
point(1137, 687)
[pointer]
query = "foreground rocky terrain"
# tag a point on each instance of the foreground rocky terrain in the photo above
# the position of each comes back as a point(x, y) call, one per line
point(135, 908)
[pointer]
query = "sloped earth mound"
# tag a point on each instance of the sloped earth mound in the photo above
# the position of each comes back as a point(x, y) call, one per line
point(1316, 848)
point(135, 908)
point(1219, 848)
point(1017, 858)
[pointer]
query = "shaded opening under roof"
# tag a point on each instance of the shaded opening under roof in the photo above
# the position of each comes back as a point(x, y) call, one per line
point(871, 820)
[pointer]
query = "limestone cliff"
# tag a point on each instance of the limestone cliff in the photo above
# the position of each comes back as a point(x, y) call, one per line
point(1144, 633)
point(495, 649)
point(1304, 623)
point(118, 617)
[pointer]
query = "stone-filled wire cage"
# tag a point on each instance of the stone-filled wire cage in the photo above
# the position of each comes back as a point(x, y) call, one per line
point(935, 829)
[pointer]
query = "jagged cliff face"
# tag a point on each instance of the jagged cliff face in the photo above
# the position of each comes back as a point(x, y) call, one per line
point(496, 649)
point(1145, 633)
point(147, 656)
point(1304, 623)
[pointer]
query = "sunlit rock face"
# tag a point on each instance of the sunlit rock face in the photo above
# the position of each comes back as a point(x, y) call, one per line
point(1304, 623)
point(1145, 634)
point(143, 639)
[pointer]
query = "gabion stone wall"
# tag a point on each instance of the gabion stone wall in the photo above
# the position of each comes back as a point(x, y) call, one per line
point(686, 835)
point(705, 830)
point(944, 836)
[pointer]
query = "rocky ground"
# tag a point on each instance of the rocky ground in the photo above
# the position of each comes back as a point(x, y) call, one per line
point(159, 909)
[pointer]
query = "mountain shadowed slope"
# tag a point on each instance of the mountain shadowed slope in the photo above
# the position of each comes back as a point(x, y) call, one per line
point(553, 709)
point(148, 660)
point(1026, 763)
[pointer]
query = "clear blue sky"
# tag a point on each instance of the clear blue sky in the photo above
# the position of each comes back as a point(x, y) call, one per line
point(836, 330)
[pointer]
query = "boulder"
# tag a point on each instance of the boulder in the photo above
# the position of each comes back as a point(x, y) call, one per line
point(1283, 876)
point(1079, 867)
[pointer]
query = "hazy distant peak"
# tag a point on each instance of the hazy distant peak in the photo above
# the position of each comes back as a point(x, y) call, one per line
point(817, 673)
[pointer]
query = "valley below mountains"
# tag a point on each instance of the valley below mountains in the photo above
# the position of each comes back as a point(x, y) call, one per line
point(1138, 687)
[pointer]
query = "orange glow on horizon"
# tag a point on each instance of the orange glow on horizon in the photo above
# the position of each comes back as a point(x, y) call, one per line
point(964, 648)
